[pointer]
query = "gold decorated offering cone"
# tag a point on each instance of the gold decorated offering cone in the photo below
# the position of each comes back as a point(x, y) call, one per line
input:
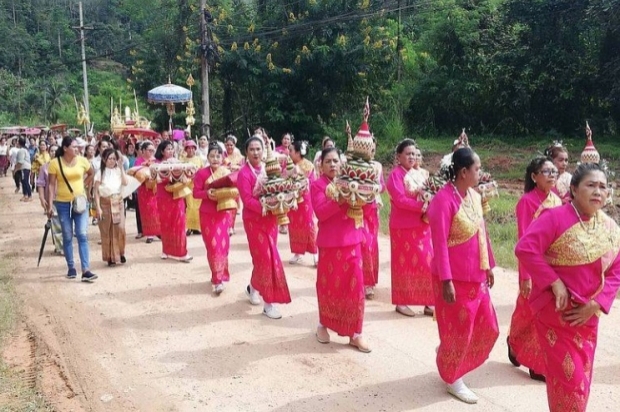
point(283, 218)
point(226, 198)
point(182, 192)
point(486, 208)
point(357, 214)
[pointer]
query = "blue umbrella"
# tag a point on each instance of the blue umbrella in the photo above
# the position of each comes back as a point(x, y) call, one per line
point(169, 94)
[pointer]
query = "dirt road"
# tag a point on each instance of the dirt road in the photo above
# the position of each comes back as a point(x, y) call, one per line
point(150, 336)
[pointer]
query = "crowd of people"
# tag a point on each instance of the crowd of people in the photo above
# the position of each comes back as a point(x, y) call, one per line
point(441, 253)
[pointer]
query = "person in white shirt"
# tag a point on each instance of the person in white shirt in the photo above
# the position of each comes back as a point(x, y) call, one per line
point(109, 182)
point(4, 156)
point(22, 164)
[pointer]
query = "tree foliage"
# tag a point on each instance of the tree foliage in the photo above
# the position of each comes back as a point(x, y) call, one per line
point(306, 66)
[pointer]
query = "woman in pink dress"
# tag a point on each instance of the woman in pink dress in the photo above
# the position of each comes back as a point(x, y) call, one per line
point(233, 160)
point(462, 271)
point(559, 155)
point(410, 235)
point(147, 197)
point(171, 212)
point(571, 254)
point(523, 346)
point(284, 147)
point(340, 281)
point(214, 225)
point(302, 229)
point(268, 279)
point(370, 249)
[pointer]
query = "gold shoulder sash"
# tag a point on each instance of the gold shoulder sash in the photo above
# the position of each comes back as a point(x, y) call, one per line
point(552, 200)
point(218, 174)
point(578, 246)
point(469, 222)
point(306, 166)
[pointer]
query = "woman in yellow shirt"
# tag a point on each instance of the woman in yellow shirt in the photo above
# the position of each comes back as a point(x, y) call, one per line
point(68, 175)
point(40, 159)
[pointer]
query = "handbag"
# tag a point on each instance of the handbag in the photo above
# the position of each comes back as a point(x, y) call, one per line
point(79, 204)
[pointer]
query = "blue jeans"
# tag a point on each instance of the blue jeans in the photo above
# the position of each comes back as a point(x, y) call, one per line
point(67, 221)
point(26, 188)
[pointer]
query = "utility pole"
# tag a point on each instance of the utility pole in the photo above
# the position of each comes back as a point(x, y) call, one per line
point(399, 61)
point(84, 74)
point(204, 65)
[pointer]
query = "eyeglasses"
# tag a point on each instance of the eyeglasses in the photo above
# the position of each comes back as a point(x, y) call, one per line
point(549, 172)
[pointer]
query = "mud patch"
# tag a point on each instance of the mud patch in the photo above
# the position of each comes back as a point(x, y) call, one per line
point(30, 360)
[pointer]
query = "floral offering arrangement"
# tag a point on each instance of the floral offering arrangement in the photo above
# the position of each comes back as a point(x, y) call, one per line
point(178, 175)
point(429, 189)
point(358, 182)
point(298, 179)
point(427, 192)
point(414, 181)
point(277, 195)
point(487, 187)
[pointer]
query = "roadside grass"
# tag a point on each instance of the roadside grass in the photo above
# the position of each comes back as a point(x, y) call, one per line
point(15, 395)
point(501, 226)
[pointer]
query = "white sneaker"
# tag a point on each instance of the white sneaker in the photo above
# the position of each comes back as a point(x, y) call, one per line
point(460, 391)
point(369, 292)
point(253, 295)
point(186, 259)
point(405, 310)
point(272, 312)
point(164, 256)
point(295, 259)
point(219, 289)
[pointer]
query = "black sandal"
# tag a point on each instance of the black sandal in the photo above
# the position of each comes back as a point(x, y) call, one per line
point(537, 376)
point(511, 356)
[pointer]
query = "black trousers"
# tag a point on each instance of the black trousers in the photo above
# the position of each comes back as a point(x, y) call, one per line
point(134, 198)
point(17, 177)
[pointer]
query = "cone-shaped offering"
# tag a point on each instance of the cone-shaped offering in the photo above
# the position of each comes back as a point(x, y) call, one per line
point(358, 180)
point(589, 153)
point(278, 195)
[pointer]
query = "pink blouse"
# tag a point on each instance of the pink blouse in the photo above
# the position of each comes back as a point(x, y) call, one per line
point(529, 208)
point(406, 211)
point(460, 261)
point(336, 229)
point(246, 180)
point(200, 191)
point(534, 251)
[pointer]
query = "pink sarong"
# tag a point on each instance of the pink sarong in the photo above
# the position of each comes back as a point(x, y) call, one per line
point(172, 219)
point(340, 289)
point(412, 254)
point(214, 229)
point(569, 356)
point(467, 328)
point(523, 338)
point(370, 248)
point(149, 214)
point(267, 274)
point(302, 230)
